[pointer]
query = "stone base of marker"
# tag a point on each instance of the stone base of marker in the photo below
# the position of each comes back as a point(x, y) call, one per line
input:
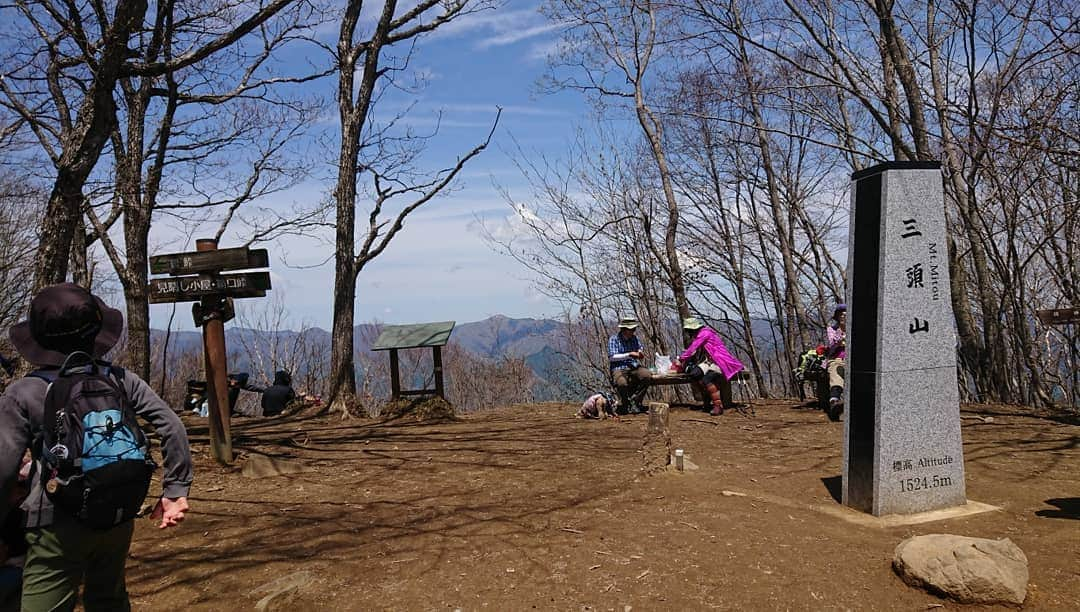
point(656, 443)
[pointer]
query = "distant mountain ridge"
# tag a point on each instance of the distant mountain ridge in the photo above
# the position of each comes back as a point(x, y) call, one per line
point(534, 340)
point(493, 337)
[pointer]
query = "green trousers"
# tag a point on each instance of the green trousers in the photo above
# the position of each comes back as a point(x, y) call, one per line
point(66, 554)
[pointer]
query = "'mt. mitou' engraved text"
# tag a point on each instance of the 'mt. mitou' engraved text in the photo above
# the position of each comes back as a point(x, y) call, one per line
point(935, 274)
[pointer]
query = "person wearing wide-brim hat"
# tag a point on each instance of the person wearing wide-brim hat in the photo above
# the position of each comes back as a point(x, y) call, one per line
point(625, 358)
point(836, 354)
point(710, 364)
point(63, 552)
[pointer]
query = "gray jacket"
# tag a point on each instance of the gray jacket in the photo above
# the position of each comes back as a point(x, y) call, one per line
point(21, 411)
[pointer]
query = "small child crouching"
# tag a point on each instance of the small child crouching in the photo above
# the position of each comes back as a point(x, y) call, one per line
point(598, 406)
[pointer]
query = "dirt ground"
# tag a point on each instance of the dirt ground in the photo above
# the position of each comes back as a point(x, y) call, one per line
point(527, 508)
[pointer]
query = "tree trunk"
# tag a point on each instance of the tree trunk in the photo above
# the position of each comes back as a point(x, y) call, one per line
point(793, 310)
point(738, 278)
point(905, 72)
point(138, 332)
point(137, 213)
point(83, 146)
point(342, 367)
point(58, 228)
point(654, 133)
point(80, 265)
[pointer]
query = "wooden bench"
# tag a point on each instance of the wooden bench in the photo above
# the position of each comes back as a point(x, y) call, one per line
point(740, 381)
point(669, 378)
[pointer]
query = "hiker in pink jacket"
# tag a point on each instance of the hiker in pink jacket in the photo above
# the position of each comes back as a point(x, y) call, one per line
point(708, 358)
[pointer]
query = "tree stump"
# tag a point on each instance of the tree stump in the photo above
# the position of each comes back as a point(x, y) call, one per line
point(656, 443)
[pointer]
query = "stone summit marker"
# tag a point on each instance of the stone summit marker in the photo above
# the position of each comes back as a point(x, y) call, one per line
point(902, 448)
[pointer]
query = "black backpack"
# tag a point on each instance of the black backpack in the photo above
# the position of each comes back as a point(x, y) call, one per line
point(95, 460)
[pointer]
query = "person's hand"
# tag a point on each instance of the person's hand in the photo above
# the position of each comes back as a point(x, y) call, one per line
point(170, 511)
point(637, 354)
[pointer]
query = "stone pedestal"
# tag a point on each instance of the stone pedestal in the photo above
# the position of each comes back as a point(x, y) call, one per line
point(902, 448)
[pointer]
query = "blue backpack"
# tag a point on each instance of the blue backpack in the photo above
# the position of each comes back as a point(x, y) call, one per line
point(95, 459)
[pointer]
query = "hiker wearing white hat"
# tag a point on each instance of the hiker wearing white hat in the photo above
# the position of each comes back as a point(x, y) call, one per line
point(630, 377)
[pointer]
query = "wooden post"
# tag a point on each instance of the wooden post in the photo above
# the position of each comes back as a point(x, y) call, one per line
point(656, 443)
point(216, 370)
point(437, 360)
point(395, 377)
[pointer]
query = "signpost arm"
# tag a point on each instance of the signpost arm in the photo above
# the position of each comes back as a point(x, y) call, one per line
point(216, 371)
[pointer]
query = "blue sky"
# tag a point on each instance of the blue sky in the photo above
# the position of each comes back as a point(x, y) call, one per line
point(439, 267)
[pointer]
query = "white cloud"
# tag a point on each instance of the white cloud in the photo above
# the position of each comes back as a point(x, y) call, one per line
point(430, 121)
point(513, 36)
point(499, 27)
point(511, 109)
point(526, 214)
point(540, 51)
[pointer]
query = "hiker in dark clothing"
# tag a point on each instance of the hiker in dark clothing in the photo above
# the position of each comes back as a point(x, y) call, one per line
point(238, 382)
point(277, 396)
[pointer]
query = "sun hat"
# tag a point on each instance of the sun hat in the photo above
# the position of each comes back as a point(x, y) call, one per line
point(692, 323)
point(628, 323)
point(63, 318)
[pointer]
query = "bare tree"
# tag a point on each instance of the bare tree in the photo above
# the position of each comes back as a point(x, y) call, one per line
point(20, 205)
point(773, 103)
point(270, 341)
point(611, 51)
point(477, 383)
point(397, 189)
point(925, 80)
point(61, 80)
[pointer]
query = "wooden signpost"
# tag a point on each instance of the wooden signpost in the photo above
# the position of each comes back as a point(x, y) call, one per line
point(191, 288)
point(1058, 316)
point(197, 277)
point(1054, 317)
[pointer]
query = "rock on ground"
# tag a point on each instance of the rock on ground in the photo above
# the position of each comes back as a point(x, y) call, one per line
point(261, 466)
point(283, 593)
point(967, 570)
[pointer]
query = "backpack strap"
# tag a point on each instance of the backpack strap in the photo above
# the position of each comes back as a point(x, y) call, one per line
point(48, 375)
point(37, 444)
